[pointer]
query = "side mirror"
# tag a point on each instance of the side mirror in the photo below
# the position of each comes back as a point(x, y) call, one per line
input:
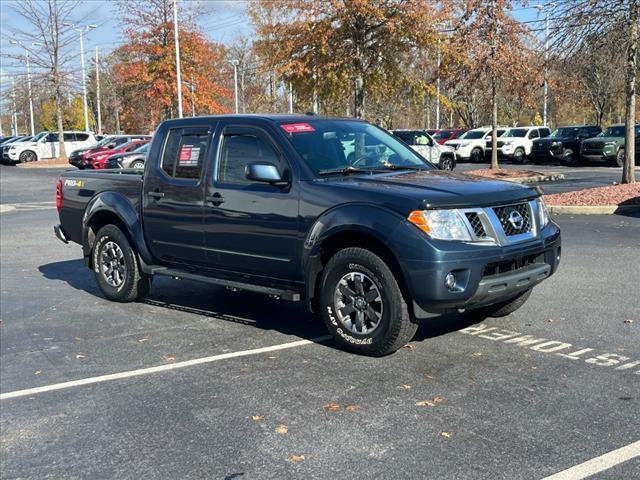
point(264, 172)
point(111, 146)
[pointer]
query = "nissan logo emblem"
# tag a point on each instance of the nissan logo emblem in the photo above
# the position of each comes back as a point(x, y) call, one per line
point(516, 220)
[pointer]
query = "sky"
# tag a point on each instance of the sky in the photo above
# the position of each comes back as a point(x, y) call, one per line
point(223, 21)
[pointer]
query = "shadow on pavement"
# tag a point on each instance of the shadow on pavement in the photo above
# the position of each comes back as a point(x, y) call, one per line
point(246, 308)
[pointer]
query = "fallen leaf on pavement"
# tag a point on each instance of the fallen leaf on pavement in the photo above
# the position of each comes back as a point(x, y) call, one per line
point(142, 340)
point(332, 407)
point(168, 358)
point(38, 372)
point(283, 429)
point(476, 354)
point(438, 399)
point(409, 346)
point(77, 339)
point(425, 403)
point(80, 355)
point(351, 408)
point(404, 386)
point(295, 458)
point(257, 418)
point(628, 321)
point(446, 434)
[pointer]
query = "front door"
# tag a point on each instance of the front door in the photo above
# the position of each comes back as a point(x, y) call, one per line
point(173, 196)
point(251, 227)
point(48, 147)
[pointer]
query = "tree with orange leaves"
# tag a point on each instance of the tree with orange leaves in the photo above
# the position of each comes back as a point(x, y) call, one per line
point(340, 46)
point(146, 71)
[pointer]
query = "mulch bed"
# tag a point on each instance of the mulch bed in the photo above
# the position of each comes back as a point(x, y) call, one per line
point(611, 195)
point(51, 162)
point(503, 173)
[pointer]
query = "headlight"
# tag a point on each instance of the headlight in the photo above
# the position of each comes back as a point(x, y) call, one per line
point(555, 144)
point(508, 144)
point(543, 213)
point(441, 224)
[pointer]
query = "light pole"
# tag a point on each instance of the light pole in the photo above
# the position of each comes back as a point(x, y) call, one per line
point(235, 64)
point(178, 76)
point(26, 54)
point(82, 31)
point(14, 115)
point(438, 86)
point(98, 93)
point(542, 8)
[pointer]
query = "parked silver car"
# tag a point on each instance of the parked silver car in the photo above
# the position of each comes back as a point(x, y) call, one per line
point(133, 159)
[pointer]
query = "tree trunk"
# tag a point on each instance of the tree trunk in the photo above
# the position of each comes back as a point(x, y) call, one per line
point(628, 169)
point(62, 153)
point(494, 125)
point(359, 97)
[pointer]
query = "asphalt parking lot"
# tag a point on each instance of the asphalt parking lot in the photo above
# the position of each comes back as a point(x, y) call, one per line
point(247, 387)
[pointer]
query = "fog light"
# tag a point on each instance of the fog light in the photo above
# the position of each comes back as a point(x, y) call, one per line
point(450, 281)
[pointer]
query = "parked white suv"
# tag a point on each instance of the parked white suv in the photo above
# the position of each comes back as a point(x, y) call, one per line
point(46, 145)
point(419, 140)
point(516, 143)
point(471, 145)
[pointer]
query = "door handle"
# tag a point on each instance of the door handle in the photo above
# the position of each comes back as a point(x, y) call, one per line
point(156, 194)
point(215, 199)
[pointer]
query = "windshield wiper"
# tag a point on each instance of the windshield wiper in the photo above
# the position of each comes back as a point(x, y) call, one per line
point(344, 171)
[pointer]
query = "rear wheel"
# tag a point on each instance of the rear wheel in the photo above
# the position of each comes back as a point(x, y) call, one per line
point(503, 309)
point(362, 304)
point(115, 267)
point(137, 164)
point(619, 160)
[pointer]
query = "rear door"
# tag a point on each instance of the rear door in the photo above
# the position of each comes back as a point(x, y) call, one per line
point(173, 195)
point(251, 227)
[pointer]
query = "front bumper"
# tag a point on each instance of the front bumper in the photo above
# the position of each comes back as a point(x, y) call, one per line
point(485, 274)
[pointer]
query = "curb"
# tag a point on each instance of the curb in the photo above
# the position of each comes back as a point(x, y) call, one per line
point(540, 178)
point(592, 210)
point(36, 165)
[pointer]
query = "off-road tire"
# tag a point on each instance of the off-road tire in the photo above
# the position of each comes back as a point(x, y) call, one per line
point(619, 160)
point(396, 327)
point(506, 308)
point(135, 284)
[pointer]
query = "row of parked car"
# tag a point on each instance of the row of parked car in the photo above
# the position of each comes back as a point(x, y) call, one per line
point(85, 149)
point(568, 145)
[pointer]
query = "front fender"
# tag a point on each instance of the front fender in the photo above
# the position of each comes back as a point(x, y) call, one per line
point(117, 205)
point(368, 219)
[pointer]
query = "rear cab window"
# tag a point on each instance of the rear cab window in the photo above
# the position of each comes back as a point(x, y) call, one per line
point(184, 152)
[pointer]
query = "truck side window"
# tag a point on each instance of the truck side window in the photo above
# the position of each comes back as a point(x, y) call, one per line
point(238, 150)
point(184, 152)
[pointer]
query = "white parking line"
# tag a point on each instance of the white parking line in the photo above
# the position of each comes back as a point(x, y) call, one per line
point(159, 368)
point(599, 464)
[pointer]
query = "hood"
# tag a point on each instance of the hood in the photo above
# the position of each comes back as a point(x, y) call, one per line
point(90, 152)
point(604, 139)
point(435, 188)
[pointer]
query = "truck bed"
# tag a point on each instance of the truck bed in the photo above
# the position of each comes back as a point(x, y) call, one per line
point(79, 187)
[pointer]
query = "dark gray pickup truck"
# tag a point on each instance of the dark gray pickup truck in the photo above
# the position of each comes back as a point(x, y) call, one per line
point(333, 212)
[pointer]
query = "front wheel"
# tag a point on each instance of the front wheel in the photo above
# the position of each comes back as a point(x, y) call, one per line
point(115, 267)
point(362, 304)
point(476, 155)
point(27, 156)
point(619, 160)
point(519, 156)
point(503, 309)
point(446, 163)
point(569, 158)
point(137, 164)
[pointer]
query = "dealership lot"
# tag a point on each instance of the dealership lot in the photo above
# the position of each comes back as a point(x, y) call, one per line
point(547, 388)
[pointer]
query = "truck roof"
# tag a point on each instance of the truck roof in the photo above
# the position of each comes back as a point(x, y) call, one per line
point(276, 117)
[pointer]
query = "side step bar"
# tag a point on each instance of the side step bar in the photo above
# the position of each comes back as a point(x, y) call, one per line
point(289, 295)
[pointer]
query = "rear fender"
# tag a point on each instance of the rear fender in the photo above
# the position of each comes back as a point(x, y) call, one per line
point(104, 208)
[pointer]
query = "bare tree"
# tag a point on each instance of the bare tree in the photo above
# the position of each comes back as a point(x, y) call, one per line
point(577, 21)
point(48, 34)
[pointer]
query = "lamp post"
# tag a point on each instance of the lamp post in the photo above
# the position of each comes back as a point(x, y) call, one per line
point(82, 30)
point(177, 38)
point(542, 8)
point(235, 64)
point(26, 55)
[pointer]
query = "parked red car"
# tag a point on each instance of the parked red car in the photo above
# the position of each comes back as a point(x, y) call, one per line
point(98, 160)
point(83, 158)
point(442, 136)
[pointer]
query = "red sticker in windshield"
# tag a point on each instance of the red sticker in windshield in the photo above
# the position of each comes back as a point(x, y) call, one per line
point(297, 127)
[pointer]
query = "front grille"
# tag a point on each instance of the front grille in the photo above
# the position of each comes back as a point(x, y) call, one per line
point(512, 265)
point(476, 224)
point(514, 219)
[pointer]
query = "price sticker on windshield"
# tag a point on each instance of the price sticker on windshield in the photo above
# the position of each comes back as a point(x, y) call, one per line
point(297, 127)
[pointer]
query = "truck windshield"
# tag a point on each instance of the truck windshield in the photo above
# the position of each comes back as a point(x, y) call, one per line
point(473, 135)
point(516, 133)
point(617, 131)
point(347, 145)
point(567, 132)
